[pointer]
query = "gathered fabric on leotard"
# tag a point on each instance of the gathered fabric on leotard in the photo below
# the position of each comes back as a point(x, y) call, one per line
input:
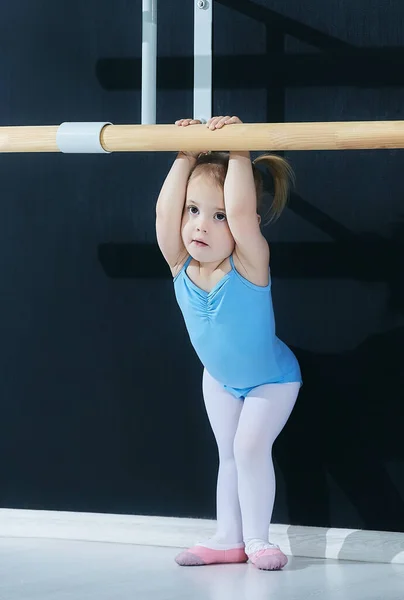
point(232, 329)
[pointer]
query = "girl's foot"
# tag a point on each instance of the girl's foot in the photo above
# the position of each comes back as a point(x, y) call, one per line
point(265, 556)
point(201, 555)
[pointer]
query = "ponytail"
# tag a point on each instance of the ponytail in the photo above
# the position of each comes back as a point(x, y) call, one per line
point(283, 176)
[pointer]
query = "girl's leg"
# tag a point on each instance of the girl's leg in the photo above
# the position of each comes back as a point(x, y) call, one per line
point(227, 545)
point(224, 411)
point(265, 413)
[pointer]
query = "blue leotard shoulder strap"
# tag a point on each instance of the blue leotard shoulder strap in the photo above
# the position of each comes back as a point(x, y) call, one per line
point(183, 268)
point(186, 263)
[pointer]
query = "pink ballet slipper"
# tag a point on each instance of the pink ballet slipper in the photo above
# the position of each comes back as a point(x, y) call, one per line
point(199, 555)
point(269, 559)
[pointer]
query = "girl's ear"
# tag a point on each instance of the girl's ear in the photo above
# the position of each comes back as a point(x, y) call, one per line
point(259, 219)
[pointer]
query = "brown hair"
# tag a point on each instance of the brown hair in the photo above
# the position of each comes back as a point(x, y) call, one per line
point(215, 164)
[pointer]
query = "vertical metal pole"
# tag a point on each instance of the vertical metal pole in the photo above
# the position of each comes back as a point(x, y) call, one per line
point(149, 61)
point(203, 59)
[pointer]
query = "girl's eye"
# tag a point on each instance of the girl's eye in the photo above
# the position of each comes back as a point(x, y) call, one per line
point(192, 210)
point(220, 217)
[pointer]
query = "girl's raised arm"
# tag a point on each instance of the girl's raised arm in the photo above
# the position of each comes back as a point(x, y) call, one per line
point(170, 205)
point(169, 209)
point(240, 200)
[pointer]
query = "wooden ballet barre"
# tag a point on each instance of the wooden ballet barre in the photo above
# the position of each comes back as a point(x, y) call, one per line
point(105, 138)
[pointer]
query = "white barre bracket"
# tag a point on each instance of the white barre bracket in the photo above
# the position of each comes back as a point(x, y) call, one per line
point(81, 138)
point(149, 61)
point(203, 16)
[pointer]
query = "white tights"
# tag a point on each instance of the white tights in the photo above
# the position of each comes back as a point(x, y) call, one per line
point(245, 431)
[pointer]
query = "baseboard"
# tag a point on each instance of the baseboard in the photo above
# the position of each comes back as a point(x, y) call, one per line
point(315, 542)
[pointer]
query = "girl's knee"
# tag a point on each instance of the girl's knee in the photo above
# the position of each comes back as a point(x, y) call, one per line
point(226, 456)
point(249, 448)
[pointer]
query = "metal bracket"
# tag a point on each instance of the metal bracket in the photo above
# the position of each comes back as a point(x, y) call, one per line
point(81, 138)
point(203, 15)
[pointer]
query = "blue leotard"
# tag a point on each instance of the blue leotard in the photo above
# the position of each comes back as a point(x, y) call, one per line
point(232, 329)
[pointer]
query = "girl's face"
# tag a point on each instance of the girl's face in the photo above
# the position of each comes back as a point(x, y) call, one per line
point(205, 232)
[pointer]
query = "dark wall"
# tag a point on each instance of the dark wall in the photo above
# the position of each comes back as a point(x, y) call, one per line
point(100, 395)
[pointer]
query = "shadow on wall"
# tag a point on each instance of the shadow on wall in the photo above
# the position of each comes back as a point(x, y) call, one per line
point(359, 67)
point(338, 63)
point(349, 417)
point(348, 424)
point(348, 421)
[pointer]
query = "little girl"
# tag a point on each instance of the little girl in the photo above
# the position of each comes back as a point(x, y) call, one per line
point(209, 232)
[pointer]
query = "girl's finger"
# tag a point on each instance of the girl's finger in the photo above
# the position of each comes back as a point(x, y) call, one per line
point(222, 122)
point(186, 122)
point(214, 122)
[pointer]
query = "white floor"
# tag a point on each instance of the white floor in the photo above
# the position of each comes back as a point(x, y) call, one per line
point(41, 569)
